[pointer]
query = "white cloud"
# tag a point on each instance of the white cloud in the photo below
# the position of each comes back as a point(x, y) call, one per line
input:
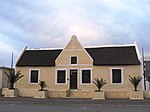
point(52, 23)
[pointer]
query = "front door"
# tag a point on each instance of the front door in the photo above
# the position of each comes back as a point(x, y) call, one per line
point(73, 79)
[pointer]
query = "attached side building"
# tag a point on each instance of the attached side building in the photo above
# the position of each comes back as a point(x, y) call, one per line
point(147, 71)
point(3, 78)
point(69, 72)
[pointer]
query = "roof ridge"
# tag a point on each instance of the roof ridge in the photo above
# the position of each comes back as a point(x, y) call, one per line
point(44, 48)
point(101, 46)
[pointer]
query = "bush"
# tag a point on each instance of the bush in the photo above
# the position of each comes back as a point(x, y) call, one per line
point(135, 80)
point(42, 85)
point(13, 77)
point(99, 83)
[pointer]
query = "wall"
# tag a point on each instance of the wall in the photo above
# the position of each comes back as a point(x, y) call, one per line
point(47, 74)
point(3, 78)
point(104, 72)
point(5, 83)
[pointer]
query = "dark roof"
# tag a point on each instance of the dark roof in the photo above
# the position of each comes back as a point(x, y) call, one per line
point(101, 56)
point(114, 55)
point(38, 58)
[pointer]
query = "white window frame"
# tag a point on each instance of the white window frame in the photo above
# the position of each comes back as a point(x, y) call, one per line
point(73, 56)
point(30, 76)
point(112, 75)
point(56, 76)
point(91, 69)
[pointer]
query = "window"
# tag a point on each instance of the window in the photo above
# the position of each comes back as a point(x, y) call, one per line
point(73, 60)
point(86, 76)
point(116, 75)
point(61, 76)
point(34, 76)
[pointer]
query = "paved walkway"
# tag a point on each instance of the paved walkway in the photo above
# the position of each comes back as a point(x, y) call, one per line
point(71, 101)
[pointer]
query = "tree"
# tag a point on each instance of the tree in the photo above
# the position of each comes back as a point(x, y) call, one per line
point(99, 83)
point(13, 77)
point(42, 85)
point(135, 80)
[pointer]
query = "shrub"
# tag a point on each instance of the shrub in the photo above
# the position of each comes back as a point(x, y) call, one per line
point(135, 80)
point(99, 83)
point(13, 77)
point(42, 85)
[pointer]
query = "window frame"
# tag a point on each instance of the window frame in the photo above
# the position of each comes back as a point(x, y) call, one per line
point(73, 56)
point(57, 76)
point(91, 71)
point(111, 72)
point(30, 76)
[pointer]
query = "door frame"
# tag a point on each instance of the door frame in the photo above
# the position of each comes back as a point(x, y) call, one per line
point(77, 78)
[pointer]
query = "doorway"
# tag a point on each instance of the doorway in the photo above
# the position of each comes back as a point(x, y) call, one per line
point(73, 79)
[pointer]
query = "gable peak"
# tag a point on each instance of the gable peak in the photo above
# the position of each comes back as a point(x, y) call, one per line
point(74, 43)
point(73, 37)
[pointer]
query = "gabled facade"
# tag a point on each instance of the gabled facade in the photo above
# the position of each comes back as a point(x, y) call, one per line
point(69, 72)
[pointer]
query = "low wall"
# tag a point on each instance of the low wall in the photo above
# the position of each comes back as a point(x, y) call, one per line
point(117, 94)
point(27, 92)
point(78, 93)
point(51, 93)
point(4, 91)
point(146, 94)
point(57, 94)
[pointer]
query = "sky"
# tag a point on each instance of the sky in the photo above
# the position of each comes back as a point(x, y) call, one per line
point(51, 23)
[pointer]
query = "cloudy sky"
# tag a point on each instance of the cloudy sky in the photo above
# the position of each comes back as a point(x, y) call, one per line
point(51, 23)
